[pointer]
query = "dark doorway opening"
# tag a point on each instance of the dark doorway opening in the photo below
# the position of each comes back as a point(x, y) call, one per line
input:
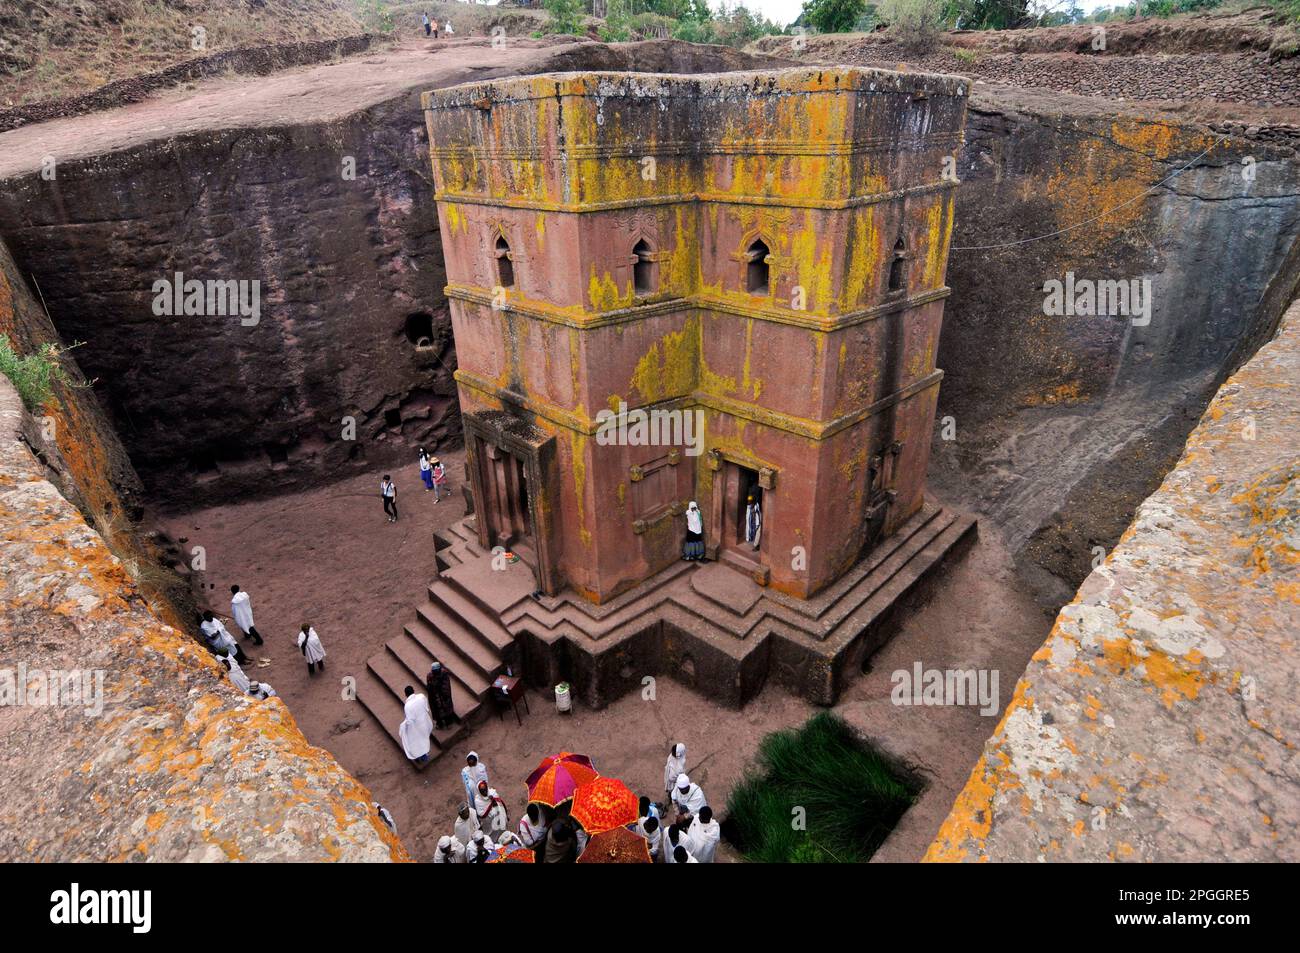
point(756, 271)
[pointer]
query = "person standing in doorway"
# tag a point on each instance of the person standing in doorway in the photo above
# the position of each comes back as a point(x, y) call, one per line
point(439, 479)
point(753, 522)
point(388, 490)
point(694, 546)
point(242, 609)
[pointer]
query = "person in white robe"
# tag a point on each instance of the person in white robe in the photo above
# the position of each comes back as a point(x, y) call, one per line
point(450, 851)
point(310, 645)
point(479, 848)
point(675, 766)
point(648, 827)
point(237, 676)
point(688, 797)
point(683, 856)
point(219, 638)
point(470, 775)
point(532, 826)
point(385, 815)
point(260, 690)
point(673, 838)
point(466, 824)
point(753, 522)
point(491, 810)
point(417, 727)
point(703, 835)
point(241, 609)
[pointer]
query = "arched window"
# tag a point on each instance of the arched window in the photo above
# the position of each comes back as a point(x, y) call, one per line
point(643, 278)
point(505, 267)
point(898, 267)
point(756, 271)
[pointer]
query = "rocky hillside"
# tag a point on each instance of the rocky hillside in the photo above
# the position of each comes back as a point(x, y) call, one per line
point(51, 49)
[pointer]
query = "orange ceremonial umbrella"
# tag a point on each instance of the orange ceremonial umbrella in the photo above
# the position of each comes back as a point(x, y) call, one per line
point(517, 855)
point(617, 846)
point(604, 804)
point(558, 777)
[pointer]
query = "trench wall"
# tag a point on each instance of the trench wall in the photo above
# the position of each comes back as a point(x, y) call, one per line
point(1158, 721)
point(157, 757)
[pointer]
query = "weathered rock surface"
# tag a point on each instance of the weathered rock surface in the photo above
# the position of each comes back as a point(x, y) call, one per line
point(1158, 722)
point(152, 754)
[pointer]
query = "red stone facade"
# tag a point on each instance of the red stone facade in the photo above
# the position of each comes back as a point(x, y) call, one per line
point(762, 251)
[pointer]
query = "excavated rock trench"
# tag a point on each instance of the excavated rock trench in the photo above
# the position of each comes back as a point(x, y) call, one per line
point(1052, 428)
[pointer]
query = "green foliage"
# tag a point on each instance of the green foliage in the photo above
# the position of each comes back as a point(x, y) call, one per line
point(833, 16)
point(987, 14)
point(914, 23)
point(33, 376)
point(566, 16)
point(850, 794)
point(375, 15)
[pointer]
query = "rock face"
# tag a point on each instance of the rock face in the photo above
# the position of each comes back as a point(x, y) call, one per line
point(1158, 722)
point(1159, 205)
point(150, 752)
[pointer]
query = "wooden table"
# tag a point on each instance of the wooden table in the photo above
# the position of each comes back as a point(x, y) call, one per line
point(509, 690)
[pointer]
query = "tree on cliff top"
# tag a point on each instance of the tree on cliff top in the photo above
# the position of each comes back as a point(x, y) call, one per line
point(566, 16)
point(833, 16)
point(914, 23)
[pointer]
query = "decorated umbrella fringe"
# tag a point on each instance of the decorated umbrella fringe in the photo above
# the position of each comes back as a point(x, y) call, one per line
point(617, 846)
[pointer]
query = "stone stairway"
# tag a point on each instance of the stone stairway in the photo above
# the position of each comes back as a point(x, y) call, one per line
point(458, 625)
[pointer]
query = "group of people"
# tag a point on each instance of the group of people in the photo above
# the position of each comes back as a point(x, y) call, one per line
point(482, 825)
point(431, 27)
point(432, 472)
point(231, 655)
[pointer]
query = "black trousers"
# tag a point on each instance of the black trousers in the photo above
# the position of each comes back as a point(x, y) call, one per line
point(390, 506)
point(253, 634)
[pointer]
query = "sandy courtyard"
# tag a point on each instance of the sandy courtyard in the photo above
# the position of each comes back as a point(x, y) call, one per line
point(328, 556)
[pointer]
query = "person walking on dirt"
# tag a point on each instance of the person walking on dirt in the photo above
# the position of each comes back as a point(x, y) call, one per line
point(242, 610)
point(434, 24)
point(310, 645)
point(426, 470)
point(439, 477)
point(427, 27)
point(388, 490)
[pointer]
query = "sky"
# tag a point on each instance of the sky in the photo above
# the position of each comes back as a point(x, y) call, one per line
point(785, 11)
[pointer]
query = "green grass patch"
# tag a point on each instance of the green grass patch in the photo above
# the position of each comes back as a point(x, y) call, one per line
point(33, 375)
point(851, 797)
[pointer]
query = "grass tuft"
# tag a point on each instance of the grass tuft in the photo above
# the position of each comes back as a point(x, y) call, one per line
point(851, 797)
point(33, 376)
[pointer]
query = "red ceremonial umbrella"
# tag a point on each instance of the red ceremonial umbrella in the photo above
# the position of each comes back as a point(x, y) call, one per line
point(616, 846)
point(604, 804)
point(516, 855)
point(556, 779)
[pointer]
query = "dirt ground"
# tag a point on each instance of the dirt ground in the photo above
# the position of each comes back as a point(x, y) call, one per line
point(328, 557)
